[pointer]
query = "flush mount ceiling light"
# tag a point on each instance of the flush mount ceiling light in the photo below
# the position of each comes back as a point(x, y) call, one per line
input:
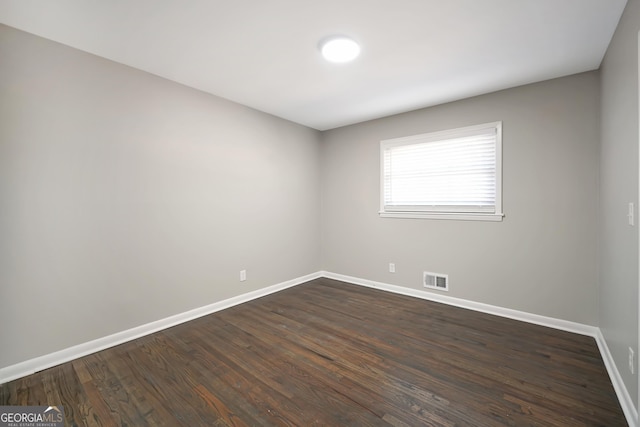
point(339, 49)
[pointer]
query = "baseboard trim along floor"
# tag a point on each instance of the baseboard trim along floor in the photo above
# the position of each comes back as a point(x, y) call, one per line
point(626, 402)
point(31, 366)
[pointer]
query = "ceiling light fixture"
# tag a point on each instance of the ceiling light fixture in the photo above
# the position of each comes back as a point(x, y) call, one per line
point(339, 49)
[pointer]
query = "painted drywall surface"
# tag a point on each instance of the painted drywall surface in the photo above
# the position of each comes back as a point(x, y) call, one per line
point(618, 299)
point(127, 198)
point(541, 259)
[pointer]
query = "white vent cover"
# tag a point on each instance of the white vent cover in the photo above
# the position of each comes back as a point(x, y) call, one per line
point(436, 281)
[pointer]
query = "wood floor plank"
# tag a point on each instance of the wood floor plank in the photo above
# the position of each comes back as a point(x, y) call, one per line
point(91, 409)
point(451, 369)
point(547, 389)
point(331, 353)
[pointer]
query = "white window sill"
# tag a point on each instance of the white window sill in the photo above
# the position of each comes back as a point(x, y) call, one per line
point(449, 216)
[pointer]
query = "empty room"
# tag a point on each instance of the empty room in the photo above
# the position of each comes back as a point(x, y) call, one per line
point(335, 213)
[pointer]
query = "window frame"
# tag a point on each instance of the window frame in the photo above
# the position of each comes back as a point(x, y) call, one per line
point(438, 212)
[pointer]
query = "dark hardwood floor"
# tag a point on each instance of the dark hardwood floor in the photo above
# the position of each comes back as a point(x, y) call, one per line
point(333, 354)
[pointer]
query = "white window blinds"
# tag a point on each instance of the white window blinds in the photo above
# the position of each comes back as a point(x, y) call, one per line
point(450, 172)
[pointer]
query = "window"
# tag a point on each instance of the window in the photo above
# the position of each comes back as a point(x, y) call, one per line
point(454, 174)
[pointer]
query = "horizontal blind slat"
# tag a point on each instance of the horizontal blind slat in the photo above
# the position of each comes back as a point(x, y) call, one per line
point(453, 173)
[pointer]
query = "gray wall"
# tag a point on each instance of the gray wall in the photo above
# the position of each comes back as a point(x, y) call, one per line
point(618, 303)
point(125, 198)
point(541, 259)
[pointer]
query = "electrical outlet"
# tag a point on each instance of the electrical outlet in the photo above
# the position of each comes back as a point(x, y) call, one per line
point(632, 361)
point(631, 214)
point(392, 267)
point(243, 275)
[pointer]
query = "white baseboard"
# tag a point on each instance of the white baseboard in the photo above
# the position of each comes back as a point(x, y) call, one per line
point(31, 366)
point(626, 402)
point(551, 322)
point(624, 398)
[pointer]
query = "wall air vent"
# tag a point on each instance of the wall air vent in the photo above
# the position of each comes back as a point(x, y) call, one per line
point(436, 281)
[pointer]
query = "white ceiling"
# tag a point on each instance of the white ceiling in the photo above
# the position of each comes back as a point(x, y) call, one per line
point(264, 53)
